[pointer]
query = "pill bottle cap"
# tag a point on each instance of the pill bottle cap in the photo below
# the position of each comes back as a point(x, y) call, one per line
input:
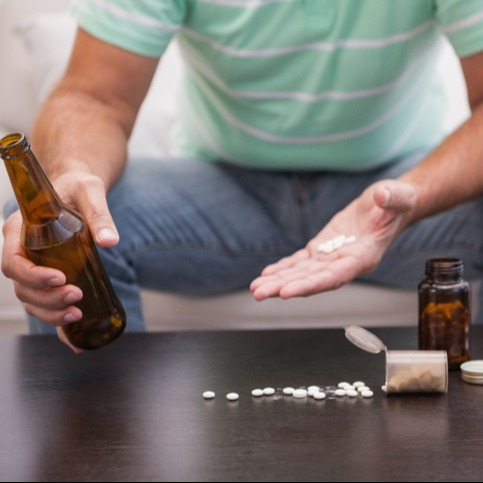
point(364, 339)
point(472, 372)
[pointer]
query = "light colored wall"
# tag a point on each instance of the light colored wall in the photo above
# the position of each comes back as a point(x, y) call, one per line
point(17, 112)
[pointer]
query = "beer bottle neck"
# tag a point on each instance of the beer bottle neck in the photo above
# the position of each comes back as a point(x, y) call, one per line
point(37, 200)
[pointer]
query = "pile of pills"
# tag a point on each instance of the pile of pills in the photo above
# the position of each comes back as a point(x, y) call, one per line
point(319, 393)
point(410, 379)
point(335, 243)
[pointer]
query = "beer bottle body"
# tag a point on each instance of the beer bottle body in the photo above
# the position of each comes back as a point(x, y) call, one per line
point(54, 235)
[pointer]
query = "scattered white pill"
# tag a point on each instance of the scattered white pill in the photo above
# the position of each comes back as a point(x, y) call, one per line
point(300, 393)
point(343, 389)
point(384, 388)
point(232, 396)
point(311, 390)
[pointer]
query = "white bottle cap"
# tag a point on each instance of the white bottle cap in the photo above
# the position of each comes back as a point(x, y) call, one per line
point(472, 372)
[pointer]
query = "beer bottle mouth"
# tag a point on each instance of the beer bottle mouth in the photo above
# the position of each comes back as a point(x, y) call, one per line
point(13, 145)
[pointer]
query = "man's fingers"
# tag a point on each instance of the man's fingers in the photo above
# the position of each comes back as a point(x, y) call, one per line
point(336, 274)
point(268, 289)
point(56, 298)
point(98, 218)
point(16, 266)
point(284, 275)
point(22, 270)
point(305, 278)
point(55, 317)
point(286, 262)
point(395, 195)
point(93, 206)
point(63, 338)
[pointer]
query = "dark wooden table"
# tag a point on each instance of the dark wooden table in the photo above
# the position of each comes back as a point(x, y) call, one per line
point(134, 411)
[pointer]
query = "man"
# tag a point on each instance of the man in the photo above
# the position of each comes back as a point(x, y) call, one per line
point(300, 121)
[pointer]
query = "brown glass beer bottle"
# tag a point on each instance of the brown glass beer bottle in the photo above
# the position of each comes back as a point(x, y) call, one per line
point(445, 310)
point(56, 236)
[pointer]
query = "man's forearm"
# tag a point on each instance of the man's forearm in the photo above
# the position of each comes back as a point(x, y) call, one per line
point(75, 132)
point(452, 173)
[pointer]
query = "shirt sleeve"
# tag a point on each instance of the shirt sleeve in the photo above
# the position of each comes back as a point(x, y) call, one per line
point(141, 26)
point(462, 22)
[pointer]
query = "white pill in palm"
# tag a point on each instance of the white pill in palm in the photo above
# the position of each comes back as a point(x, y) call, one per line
point(335, 243)
point(338, 241)
point(326, 247)
point(257, 392)
point(300, 393)
point(232, 396)
point(269, 391)
point(208, 395)
point(350, 239)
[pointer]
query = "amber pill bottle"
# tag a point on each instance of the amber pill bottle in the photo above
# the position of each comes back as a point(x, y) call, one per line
point(445, 311)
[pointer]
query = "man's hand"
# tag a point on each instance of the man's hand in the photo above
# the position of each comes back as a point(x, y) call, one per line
point(375, 218)
point(43, 290)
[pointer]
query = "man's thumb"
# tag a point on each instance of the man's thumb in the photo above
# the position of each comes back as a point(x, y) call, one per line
point(395, 195)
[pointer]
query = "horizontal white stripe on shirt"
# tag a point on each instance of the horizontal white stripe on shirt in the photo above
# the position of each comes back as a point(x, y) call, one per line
point(324, 138)
point(252, 4)
point(305, 96)
point(136, 18)
point(322, 46)
point(462, 24)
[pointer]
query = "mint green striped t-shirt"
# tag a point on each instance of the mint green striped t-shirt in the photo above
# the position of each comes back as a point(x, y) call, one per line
point(299, 84)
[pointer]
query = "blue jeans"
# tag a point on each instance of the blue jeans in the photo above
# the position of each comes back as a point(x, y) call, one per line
point(190, 227)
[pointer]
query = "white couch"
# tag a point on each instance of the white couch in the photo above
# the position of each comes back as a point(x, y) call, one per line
point(35, 39)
